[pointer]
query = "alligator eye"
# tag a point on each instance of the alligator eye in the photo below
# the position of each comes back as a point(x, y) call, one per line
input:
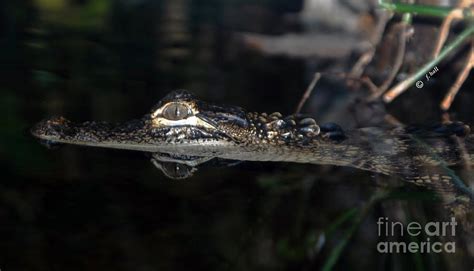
point(176, 111)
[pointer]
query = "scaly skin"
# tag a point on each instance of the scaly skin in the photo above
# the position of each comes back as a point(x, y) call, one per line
point(188, 131)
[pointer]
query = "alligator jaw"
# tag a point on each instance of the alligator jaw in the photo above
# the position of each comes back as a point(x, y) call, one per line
point(139, 135)
point(55, 130)
point(97, 134)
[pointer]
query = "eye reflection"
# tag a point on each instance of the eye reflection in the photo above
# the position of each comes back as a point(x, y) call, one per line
point(176, 111)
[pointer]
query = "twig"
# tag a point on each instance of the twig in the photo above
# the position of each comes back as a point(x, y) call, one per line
point(398, 59)
point(308, 91)
point(363, 80)
point(402, 86)
point(448, 99)
point(375, 39)
point(444, 31)
point(368, 82)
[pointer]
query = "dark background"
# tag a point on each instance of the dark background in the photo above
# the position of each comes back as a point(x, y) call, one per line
point(78, 208)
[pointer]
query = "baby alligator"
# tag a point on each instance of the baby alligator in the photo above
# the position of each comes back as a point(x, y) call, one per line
point(182, 132)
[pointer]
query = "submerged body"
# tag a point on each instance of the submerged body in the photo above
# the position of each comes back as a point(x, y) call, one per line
point(187, 131)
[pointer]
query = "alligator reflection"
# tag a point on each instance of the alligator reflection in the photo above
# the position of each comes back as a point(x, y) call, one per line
point(184, 170)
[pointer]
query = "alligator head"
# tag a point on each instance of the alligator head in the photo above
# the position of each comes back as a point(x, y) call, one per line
point(179, 123)
point(179, 128)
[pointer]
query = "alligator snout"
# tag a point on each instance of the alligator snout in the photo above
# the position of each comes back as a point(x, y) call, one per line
point(52, 128)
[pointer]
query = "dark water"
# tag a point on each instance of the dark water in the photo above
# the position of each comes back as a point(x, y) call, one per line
point(77, 208)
